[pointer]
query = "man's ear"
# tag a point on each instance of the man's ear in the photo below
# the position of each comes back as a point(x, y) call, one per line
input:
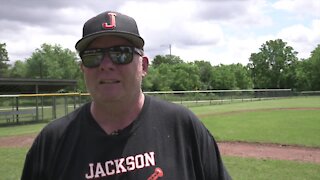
point(145, 65)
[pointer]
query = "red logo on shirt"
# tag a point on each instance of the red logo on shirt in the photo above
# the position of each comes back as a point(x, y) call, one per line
point(157, 173)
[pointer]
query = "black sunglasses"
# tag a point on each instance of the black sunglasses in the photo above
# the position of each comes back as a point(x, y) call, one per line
point(92, 58)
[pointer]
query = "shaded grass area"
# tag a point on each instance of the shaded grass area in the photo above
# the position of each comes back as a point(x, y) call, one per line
point(259, 169)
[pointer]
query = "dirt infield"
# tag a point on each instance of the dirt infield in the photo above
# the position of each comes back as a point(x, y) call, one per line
point(17, 141)
point(270, 151)
point(240, 149)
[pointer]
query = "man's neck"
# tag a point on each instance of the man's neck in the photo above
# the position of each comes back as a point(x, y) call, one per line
point(117, 115)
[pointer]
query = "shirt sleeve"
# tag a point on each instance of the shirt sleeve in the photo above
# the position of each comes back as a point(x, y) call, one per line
point(33, 164)
point(40, 157)
point(208, 153)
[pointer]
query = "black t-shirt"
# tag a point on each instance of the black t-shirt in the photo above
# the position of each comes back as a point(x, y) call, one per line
point(166, 141)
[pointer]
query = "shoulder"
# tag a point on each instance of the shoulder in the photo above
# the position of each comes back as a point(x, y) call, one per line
point(60, 124)
point(57, 128)
point(48, 142)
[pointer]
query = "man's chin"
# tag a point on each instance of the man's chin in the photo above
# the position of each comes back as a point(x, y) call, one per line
point(108, 98)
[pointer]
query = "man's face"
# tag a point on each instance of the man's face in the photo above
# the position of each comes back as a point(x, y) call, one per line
point(114, 82)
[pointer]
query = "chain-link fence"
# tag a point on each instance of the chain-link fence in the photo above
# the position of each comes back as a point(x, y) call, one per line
point(27, 108)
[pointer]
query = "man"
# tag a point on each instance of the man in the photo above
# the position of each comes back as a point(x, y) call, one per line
point(122, 133)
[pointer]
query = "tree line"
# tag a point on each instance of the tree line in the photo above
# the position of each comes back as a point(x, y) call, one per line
point(274, 66)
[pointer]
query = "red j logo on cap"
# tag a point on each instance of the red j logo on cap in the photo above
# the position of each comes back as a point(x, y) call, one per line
point(112, 24)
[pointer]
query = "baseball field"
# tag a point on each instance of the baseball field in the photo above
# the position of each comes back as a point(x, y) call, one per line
point(269, 139)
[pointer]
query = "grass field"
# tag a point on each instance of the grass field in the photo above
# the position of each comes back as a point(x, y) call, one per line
point(21, 129)
point(294, 127)
point(257, 169)
point(239, 168)
point(294, 121)
point(12, 160)
point(257, 121)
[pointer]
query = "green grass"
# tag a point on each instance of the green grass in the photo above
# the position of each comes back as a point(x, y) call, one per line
point(12, 160)
point(261, 122)
point(21, 129)
point(255, 121)
point(299, 127)
point(302, 102)
point(261, 169)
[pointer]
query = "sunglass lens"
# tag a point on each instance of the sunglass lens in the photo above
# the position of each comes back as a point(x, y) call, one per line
point(92, 60)
point(121, 54)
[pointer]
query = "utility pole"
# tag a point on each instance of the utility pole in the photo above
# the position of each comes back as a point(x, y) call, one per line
point(169, 45)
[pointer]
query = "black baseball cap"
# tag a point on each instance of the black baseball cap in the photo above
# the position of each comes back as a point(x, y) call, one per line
point(110, 23)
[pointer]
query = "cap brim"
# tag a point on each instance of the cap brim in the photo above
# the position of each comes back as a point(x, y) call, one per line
point(83, 43)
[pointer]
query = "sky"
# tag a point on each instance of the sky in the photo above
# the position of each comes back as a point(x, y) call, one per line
point(218, 31)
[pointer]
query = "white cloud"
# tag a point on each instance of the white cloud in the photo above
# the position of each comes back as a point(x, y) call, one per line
point(303, 39)
point(194, 33)
point(217, 31)
point(299, 7)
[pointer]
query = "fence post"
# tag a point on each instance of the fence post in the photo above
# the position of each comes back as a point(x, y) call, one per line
point(42, 111)
point(17, 109)
point(80, 96)
point(65, 105)
point(12, 107)
point(37, 108)
point(74, 101)
point(54, 115)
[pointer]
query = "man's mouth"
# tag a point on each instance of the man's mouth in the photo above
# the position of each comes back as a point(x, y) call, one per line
point(109, 81)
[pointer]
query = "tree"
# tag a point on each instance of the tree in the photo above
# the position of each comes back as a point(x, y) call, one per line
point(272, 67)
point(303, 75)
point(242, 76)
point(149, 80)
point(167, 59)
point(223, 77)
point(315, 68)
point(53, 62)
point(4, 59)
point(161, 78)
point(205, 73)
point(185, 77)
point(18, 70)
point(177, 77)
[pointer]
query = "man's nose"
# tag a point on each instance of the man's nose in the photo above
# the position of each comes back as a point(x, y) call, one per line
point(106, 63)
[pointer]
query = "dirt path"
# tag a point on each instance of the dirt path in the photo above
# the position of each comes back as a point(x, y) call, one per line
point(270, 151)
point(240, 149)
point(17, 141)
